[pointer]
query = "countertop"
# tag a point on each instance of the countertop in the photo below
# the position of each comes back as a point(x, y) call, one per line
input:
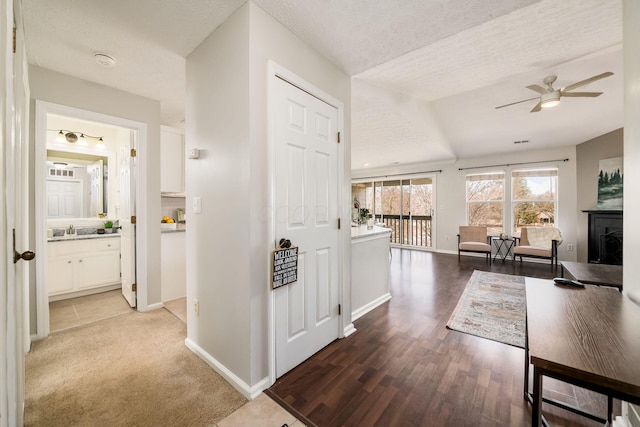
point(82, 237)
point(179, 229)
point(361, 231)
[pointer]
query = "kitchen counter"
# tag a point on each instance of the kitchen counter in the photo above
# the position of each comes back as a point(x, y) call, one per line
point(179, 229)
point(361, 231)
point(82, 237)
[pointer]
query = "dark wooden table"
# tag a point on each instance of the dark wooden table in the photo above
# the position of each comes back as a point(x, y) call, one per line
point(584, 336)
point(594, 274)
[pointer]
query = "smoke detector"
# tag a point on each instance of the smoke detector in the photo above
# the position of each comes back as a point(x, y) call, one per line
point(104, 60)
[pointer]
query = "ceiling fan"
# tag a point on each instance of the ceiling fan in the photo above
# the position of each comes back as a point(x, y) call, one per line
point(550, 97)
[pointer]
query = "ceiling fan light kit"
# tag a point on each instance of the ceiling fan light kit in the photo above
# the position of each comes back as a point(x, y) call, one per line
point(550, 97)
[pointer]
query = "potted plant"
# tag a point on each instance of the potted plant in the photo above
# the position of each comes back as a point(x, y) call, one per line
point(364, 215)
point(108, 226)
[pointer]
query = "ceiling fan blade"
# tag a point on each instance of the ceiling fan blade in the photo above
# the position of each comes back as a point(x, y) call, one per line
point(517, 102)
point(586, 82)
point(581, 94)
point(537, 88)
point(537, 108)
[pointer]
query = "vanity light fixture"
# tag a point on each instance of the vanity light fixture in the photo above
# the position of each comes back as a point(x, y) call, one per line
point(71, 136)
point(59, 165)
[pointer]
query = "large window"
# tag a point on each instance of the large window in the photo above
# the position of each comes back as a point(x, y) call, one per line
point(404, 205)
point(485, 200)
point(534, 197)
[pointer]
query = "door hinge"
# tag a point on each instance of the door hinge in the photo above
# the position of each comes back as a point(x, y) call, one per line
point(134, 287)
point(133, 219)
point(14, 39)
point(338, 137)
point(338, 223)
point(339, 309)
point(133, 152)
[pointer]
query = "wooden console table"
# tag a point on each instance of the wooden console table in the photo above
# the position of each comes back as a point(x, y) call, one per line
point(583, 336)
point(593, 274)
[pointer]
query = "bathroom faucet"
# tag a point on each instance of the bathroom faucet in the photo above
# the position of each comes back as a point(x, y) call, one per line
point(70, 230)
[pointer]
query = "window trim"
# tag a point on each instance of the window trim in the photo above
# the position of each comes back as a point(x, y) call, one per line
point(530, 172)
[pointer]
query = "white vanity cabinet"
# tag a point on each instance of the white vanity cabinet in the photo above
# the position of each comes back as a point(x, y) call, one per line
point(171, 160)
point(79, 265)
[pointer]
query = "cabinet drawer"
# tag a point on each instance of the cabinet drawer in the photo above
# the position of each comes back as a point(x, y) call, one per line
point(112, 243)
point(81, 246)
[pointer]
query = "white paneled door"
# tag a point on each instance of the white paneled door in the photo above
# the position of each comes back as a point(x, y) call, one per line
point(127, 209)
point(306, 213)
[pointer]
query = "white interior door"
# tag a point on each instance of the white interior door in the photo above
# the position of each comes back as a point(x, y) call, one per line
point(306, 213)
point(13, 220)
point(64, 198)
point(126, 172)
point(96, 174)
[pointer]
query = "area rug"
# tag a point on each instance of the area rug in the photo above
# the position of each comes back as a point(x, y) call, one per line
point(492, 306)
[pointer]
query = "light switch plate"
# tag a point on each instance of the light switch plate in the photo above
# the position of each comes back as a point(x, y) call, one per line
point(197, 205)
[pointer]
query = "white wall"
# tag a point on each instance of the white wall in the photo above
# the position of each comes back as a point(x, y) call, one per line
point(631, 278)
point(218, 260)
point(47, 85)
point(450, 211)
point(228, 244)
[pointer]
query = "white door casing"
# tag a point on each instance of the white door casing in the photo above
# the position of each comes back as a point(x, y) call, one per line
point(126, 210)
point(138, 133)
point(306, 212)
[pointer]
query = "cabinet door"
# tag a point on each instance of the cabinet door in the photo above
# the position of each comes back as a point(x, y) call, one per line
point(60, 274)
point(98, 269)
point(171, 161)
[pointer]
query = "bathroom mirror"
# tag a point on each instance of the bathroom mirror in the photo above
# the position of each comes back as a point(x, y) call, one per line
point(77, 184)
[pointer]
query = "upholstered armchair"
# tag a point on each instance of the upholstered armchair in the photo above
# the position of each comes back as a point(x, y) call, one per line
point(473, 238)
point(538, 242)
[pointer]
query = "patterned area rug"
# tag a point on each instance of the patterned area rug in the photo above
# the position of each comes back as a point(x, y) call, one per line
point(492, 306)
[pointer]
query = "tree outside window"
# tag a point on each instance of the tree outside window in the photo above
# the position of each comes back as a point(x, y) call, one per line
point(485, 200)
point(534, 197)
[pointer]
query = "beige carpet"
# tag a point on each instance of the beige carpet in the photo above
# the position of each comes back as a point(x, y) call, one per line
point(132, 369)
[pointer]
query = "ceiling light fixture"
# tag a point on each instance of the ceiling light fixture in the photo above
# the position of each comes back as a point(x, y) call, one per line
point(550, 99)
point(104, 59)
point(71, 136)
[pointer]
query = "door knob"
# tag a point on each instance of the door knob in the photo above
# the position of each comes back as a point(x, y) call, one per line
point(26, 255)
point(17, 256)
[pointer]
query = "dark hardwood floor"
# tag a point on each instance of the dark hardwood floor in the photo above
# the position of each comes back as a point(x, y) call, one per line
point(403, 367)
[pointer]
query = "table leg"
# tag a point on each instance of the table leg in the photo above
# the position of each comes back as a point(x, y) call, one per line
point(536, 404)
point(609, 410)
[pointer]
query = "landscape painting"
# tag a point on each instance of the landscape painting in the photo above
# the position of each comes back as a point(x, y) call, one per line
point(610, 179)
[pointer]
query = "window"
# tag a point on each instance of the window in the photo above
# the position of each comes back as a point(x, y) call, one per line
point(403, 205)
point(534, 197)
point(485, 200)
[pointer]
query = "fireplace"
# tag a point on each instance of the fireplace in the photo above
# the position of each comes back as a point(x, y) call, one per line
point(605, 237)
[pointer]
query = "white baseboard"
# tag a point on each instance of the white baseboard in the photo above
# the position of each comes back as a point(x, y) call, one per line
point(250, 392)
point(358, 313)
point(152, 307)
point(348, 330)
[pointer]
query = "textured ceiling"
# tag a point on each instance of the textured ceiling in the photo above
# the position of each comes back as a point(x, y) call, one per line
point(149, 39)
point(427, 74)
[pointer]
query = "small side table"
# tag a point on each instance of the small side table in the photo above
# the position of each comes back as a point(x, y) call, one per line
point(504, 247)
